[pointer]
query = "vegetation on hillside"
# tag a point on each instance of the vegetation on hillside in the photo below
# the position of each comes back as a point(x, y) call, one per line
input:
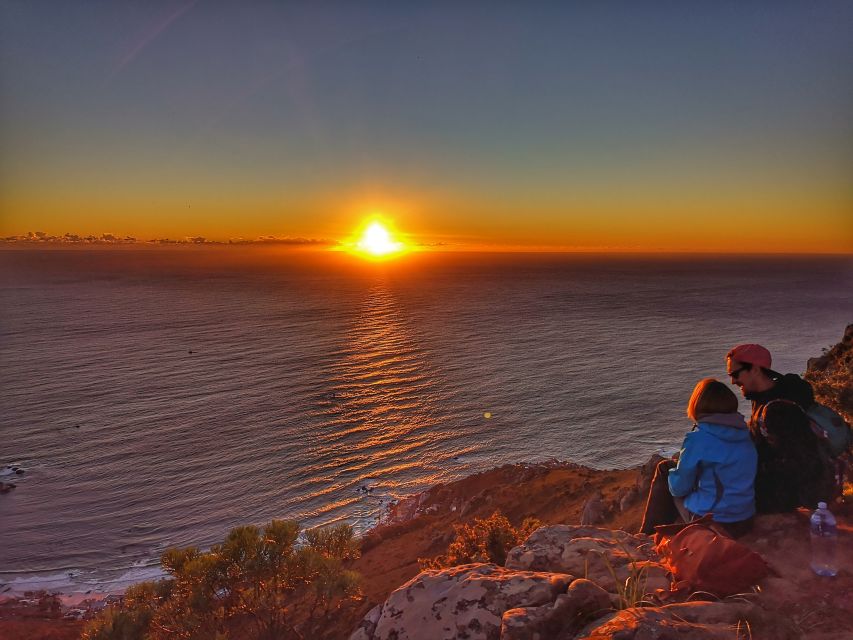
point(259, 584)
point(483, 540)
point(831, 376)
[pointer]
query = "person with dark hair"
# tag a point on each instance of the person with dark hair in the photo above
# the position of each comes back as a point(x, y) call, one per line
point(793, 469)
point(714, 471)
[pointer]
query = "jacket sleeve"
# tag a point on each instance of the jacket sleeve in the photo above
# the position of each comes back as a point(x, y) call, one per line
point(682, 479)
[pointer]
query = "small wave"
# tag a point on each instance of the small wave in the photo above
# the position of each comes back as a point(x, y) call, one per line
point(59, 582)
point(80, 581)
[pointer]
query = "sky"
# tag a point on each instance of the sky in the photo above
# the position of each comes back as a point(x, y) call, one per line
point(654, 126)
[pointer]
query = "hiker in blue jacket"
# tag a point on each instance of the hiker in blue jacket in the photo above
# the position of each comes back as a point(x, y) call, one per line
point(715, 469)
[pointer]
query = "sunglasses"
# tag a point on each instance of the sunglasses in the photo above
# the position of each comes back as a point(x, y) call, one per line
point(734, 374)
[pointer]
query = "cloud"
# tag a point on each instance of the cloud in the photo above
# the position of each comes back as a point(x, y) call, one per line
point(287, 241)
point(42, 238)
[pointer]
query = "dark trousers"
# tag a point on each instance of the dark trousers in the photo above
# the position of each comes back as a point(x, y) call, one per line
point(661, 507)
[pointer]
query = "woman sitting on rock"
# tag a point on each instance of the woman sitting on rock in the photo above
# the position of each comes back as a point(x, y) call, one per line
point(713, 473)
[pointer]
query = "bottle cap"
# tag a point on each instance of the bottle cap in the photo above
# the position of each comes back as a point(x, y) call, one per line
point(821, 505)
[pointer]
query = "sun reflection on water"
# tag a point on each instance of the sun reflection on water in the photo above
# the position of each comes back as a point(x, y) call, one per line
point(380, 415)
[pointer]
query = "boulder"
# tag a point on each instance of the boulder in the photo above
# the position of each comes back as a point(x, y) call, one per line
point(594, 509)
point(467, 601)
point(626, 497)
point(591, 552)
point(647, 472)
point(562, 618)
point(367, 627)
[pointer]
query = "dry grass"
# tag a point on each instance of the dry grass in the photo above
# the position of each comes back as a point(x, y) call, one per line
point(833, 383)
point(633, 591)
point(743, 630)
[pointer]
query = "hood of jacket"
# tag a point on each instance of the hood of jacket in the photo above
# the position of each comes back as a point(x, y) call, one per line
point(730, 427)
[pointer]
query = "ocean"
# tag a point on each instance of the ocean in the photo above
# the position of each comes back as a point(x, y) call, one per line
point(160, 397)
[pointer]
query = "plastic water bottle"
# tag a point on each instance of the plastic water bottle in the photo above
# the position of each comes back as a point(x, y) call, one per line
point(824, 540)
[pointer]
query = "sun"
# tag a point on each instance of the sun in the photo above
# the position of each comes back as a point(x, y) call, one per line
point(377, 242)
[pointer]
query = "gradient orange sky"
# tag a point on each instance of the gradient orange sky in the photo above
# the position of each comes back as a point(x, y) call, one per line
point(605, 127)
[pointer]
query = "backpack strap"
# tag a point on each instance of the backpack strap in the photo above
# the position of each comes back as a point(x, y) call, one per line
point(664, 531)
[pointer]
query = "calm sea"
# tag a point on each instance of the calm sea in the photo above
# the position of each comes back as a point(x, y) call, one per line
point(157, 398)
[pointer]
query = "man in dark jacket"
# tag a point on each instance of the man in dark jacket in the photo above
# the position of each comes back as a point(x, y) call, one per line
point(792, 468)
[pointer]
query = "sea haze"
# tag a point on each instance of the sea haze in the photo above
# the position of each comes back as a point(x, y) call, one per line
point(160, 397)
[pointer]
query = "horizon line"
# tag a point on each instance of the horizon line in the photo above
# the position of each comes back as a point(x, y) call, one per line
point(71, 241)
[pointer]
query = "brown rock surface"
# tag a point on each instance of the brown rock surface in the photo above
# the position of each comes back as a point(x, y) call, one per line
point(693, 620)
point(821, 608)
point(583, 600)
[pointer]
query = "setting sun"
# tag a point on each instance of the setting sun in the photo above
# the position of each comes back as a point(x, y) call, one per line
point(377, 242)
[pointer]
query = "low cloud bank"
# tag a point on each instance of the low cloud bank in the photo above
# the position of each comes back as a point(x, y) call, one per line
point(40, 237)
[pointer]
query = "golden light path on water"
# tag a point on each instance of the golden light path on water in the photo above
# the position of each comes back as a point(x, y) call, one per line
point(381, 420)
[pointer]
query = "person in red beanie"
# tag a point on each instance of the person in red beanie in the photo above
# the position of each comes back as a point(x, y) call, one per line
point(793, 470)
point(748, 366)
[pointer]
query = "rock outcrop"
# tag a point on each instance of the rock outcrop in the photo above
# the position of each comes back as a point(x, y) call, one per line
point(539, 596)
point(467, 601)
point(592, 552)
point(584, 599)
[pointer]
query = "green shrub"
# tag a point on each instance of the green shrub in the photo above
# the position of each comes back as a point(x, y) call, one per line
point(132, 619)
point(259, 584)
point(484, 540)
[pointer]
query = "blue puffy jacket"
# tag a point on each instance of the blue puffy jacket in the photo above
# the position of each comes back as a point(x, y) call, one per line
point(716, 469)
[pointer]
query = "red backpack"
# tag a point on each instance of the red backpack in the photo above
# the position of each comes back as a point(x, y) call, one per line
point(702, 558)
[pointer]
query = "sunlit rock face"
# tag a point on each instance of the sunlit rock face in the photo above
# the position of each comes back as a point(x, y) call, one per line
point(693, 620)
point(467, 601)
point(591, 552)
